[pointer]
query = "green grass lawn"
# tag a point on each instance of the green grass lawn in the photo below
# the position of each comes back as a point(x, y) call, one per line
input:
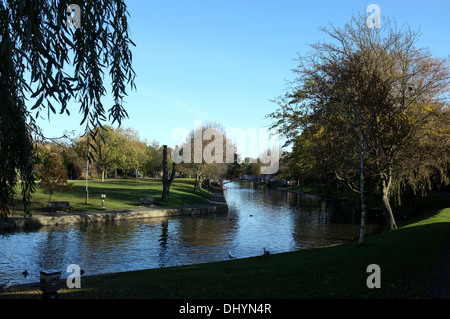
point(120, 194)
point(407, 258)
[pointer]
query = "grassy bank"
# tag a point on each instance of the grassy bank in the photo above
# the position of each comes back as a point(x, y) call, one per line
point(406, 256)
point(120, 194)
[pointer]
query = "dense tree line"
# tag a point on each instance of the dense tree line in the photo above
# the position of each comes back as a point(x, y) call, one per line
point(116, 152)
point(120, 152)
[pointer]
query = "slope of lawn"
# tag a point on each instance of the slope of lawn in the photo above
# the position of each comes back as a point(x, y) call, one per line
point(120, 194)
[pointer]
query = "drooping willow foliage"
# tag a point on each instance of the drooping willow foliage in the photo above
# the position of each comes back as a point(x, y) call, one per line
point(49, 58)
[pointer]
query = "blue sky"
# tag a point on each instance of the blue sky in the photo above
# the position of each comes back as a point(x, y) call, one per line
point(224, 61)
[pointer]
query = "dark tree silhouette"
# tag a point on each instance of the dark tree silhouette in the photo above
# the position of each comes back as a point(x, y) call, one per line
point(40, 42)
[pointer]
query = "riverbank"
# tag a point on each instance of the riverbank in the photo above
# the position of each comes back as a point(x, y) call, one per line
point(217, 203)
point(295, 190)
point(408, 259)
point(431, 201)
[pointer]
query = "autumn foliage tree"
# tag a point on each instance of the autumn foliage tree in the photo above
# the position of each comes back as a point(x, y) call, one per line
point(53, 175)
point(370, 107)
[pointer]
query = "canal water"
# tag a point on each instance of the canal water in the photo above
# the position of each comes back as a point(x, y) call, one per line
point(258, 218)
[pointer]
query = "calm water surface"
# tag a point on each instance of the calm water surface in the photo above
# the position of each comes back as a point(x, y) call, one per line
point(258, 217)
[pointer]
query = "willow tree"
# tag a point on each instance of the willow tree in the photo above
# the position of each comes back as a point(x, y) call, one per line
point(371, 100)
point(53, 52)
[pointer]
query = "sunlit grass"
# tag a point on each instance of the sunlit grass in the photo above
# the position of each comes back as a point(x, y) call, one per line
point(120, 194)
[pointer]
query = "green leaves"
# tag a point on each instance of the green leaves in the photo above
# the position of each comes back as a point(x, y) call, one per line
point(53, 175)
point(360, 106)
point(43, 59)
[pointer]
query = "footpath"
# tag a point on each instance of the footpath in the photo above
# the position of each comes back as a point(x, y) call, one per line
point(217, 204)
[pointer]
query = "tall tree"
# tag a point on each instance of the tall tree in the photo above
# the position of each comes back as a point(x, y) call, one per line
point(53, 175)
point(108, 151)
point(366, 102)
point(135, 151)
point(36, 46)
point(205, 153)
point(153, 165)
point(112, 154)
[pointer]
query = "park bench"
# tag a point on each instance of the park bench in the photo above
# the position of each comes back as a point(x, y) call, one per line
point(147, 201)
point(58, 205)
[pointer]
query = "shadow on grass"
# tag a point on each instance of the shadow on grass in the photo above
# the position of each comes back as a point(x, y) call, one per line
point(406, 257)
point(120, 194)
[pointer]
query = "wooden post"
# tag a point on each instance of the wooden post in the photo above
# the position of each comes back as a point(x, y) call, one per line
point(167, 181)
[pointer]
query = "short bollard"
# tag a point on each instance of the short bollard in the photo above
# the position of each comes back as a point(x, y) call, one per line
point(103, 196)
point(50, 284)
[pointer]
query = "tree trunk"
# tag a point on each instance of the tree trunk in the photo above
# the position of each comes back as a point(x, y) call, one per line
point(199, 183)
point(362, 147)
point(414, 201)
point(363, 198)
point(385, 185)
point(195, 184)
point(87, 177)
point(103, 175)
point(167, 181)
